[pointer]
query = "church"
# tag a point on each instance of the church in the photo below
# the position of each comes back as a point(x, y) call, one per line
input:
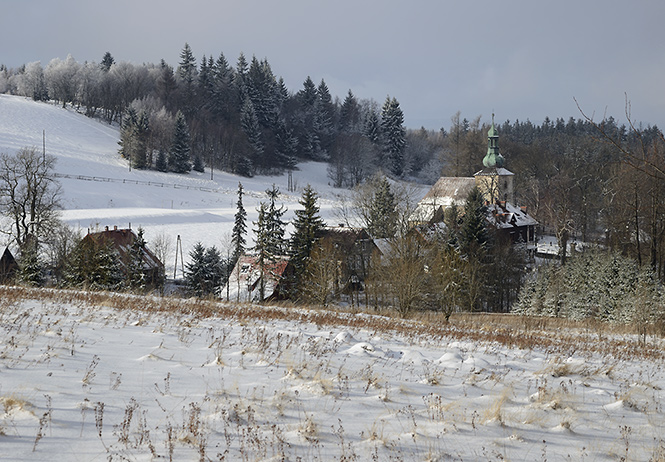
point(495, 182)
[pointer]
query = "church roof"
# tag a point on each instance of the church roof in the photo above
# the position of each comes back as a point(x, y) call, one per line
point(449, 190)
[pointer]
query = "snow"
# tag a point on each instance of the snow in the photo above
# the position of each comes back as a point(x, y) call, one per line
point(87, 378)
point(275, 387)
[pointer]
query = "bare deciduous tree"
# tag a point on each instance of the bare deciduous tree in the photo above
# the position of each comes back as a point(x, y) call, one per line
point(29, 195)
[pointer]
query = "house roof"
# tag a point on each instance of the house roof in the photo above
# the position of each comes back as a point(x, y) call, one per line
point(244, 280)
point(122, 240)
point(506, 215)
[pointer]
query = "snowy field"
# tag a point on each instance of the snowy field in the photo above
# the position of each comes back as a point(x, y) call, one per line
point(125, 378)
point(117, 379)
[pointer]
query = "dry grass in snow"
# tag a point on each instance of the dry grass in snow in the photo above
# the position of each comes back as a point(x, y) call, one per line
point(91, 376)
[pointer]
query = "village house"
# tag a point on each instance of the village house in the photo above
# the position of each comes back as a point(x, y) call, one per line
point(352, 249)
point(8, 266)
point(122, 240)
point(250, 282)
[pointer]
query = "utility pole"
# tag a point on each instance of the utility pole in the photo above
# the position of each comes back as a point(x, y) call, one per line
point(178, 246)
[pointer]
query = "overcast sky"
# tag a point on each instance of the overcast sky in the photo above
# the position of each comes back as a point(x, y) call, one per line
point(520, 59)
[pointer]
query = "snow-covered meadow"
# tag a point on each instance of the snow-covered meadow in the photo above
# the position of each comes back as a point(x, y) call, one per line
point(97, 377)
point(118, 377)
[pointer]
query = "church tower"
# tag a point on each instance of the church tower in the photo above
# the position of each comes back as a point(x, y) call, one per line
point(494, 181)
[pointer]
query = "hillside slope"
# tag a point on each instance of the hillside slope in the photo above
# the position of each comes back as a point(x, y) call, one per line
point(192, 205)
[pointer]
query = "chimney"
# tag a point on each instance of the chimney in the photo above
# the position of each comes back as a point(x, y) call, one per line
point(115, 228)
point(106, 228)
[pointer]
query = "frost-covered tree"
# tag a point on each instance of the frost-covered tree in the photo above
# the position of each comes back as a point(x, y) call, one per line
point(62, 79)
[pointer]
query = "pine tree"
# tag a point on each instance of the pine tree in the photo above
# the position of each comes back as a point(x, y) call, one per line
point(394, 135)
point(473, 237)
point(179, 156)
point(94, 264)
point(135, 276)
point(269, 235)
point(204, 272)
point(382, 216)
point(276, 226)
point(107, 62)
point(250, 125)
point(349, 115)
point(373, 127)
point(187, 78)
point(198, 164)
point(239, 227)
point(161, 163)
point(31, 268)
point(308, 225)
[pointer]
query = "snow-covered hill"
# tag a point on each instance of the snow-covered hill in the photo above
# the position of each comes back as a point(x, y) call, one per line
point(193, 206)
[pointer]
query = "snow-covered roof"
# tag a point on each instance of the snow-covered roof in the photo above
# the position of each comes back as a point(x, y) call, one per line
point(506, 215)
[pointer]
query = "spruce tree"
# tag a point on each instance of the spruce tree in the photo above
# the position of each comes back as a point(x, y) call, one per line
point(394, 136)
point(198, 164)
point(239, 227)
point(349, 114)
point(473, 237)
point(250, 125)
point(94, 264)
point(187, 78)
point(204, 271)
point(262, 245)
point(269, 235)
point(382, 216)
point(30, 266)
point(276, 226)
point(161, 163)
point(107, 62)
point(373, 127)
point(308, 225)
point(179, 156)
point(135, 276)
